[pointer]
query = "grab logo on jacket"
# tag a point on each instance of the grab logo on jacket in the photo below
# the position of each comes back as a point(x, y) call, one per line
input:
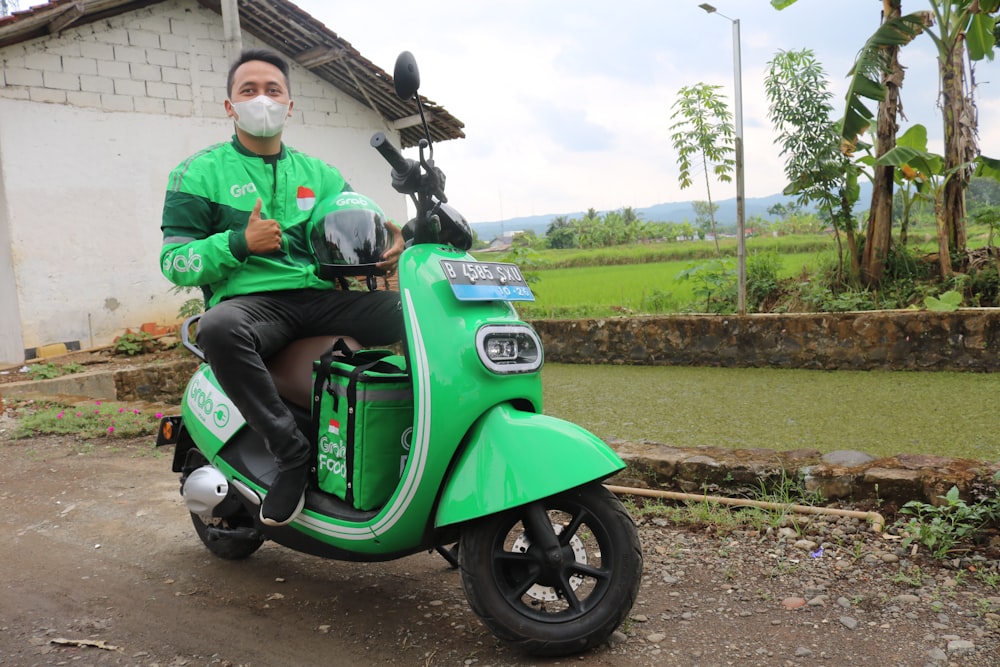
point(182, 263)
point(237, 190)
point(306, 198)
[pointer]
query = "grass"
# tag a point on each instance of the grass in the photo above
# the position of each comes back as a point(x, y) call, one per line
point(877, 412)
point(97, 419)
point(614, 289)
point(643, 278)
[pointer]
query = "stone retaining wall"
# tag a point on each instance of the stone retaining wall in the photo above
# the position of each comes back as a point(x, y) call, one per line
point(849, 476)
point(965, 340)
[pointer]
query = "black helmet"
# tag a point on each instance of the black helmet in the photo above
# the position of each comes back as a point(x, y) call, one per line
point(347, 234)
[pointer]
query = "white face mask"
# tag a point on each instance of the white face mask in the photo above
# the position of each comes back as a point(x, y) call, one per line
point(261, 116)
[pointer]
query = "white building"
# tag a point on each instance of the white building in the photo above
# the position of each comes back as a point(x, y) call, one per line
point(100, 99)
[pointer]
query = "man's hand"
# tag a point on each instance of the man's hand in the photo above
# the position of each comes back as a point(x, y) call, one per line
point(391, 256)
point(263, 236)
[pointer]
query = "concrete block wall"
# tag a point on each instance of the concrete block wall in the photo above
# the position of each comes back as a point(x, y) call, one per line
point(167, 58)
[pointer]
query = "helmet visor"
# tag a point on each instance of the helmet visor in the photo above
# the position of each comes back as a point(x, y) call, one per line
point(354, 240)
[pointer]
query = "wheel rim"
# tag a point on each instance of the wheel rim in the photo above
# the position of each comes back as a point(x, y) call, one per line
point(553, 564)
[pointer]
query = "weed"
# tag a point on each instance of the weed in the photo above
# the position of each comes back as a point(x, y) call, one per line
point(983, 607)
point(911, 576)
point(109, 420)
point(941, 527)
point(49, 370)
point(784, 492)
point(990, 579)
point(948, 302)
point(133, 343)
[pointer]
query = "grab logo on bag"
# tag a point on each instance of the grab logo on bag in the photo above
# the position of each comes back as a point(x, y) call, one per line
point(332, 457)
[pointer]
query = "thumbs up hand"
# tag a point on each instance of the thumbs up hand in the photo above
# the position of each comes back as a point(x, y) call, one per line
point(263, 235)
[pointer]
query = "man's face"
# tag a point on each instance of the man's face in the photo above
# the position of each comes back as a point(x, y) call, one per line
point(255, 78)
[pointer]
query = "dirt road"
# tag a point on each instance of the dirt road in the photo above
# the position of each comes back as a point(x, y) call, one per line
point(102, 567)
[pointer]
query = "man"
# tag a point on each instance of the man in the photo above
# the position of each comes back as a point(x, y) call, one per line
point(235, 224)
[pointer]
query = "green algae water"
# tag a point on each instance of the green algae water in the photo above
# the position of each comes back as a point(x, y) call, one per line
point(883, 413)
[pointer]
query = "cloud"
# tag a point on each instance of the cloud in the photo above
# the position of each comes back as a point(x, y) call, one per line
point(567, 105)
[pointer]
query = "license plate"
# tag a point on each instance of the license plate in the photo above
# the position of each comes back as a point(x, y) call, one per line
point(486, 281)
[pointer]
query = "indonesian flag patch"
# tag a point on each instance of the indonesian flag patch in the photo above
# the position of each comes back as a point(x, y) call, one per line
point(334, 427)
point(306, 198)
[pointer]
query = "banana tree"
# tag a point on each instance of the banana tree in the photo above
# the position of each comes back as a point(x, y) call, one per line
point(928, 173)
point(959, 29)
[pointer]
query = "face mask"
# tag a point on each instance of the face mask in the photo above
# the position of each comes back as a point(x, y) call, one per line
point(261, 116)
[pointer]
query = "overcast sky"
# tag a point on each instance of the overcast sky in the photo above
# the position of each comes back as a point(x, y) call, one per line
point(567, 105)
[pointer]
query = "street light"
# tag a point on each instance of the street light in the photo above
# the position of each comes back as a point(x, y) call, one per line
point(740, 177)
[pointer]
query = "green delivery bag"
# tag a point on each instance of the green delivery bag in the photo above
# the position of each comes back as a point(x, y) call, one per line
point(363, 412)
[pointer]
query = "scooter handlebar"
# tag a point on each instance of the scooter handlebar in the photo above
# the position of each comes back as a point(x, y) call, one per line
point(391, 154)
point(406, 177)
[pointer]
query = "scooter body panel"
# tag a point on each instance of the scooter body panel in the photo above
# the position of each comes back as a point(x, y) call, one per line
point(513, 458)
point(209, 415)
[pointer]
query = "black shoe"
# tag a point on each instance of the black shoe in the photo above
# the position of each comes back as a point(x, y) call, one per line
point(286, 497)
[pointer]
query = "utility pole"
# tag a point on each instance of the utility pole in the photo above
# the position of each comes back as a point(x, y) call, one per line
point(741, 251)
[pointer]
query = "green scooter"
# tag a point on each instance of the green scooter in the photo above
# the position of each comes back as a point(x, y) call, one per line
point(550, 560)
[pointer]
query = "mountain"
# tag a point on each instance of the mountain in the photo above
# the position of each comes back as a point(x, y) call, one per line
point(667, 212)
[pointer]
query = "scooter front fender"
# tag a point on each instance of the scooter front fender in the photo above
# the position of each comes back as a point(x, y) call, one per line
point(513, 457)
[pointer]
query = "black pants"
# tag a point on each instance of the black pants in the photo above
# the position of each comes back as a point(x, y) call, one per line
point(238, 334)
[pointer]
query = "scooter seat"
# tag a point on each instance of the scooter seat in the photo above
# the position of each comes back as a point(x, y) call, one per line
point(292, 368)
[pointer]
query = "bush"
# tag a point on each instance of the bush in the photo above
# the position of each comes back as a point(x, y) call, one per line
point(763, 284)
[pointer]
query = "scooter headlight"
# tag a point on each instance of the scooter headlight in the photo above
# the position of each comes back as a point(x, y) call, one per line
point(509, 348)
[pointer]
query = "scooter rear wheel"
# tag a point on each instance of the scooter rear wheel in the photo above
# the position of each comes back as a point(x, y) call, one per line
point(229, 548)
point(556, 576)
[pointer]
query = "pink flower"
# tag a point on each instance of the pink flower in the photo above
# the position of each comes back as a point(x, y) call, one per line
point(136, 411)
point(121, 410)
point(111, 429)
point(97, 402)
point(59, 416)
point(79, 414)
point(159, 415)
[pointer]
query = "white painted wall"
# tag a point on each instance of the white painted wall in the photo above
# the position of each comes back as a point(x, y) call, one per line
point(91, 123)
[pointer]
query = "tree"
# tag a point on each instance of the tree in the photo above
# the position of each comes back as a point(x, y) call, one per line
point(704, 218)
point(703, 134)
point(817, 169)
point(561, 233)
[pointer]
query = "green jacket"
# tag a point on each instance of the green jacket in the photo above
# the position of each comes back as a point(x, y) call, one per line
point(209, 199)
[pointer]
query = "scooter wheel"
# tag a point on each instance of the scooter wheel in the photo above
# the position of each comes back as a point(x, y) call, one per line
point(556, 576)
point(223, 546)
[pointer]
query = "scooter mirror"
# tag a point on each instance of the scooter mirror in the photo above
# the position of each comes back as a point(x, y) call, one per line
point(406, 76)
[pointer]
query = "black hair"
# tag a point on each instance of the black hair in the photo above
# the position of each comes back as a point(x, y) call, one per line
point(265, 55)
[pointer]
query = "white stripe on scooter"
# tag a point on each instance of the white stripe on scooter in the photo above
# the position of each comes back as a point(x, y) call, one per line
point(418, 451)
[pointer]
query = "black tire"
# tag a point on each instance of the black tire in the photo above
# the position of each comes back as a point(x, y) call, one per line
point(563, 603)
point(230, 548)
